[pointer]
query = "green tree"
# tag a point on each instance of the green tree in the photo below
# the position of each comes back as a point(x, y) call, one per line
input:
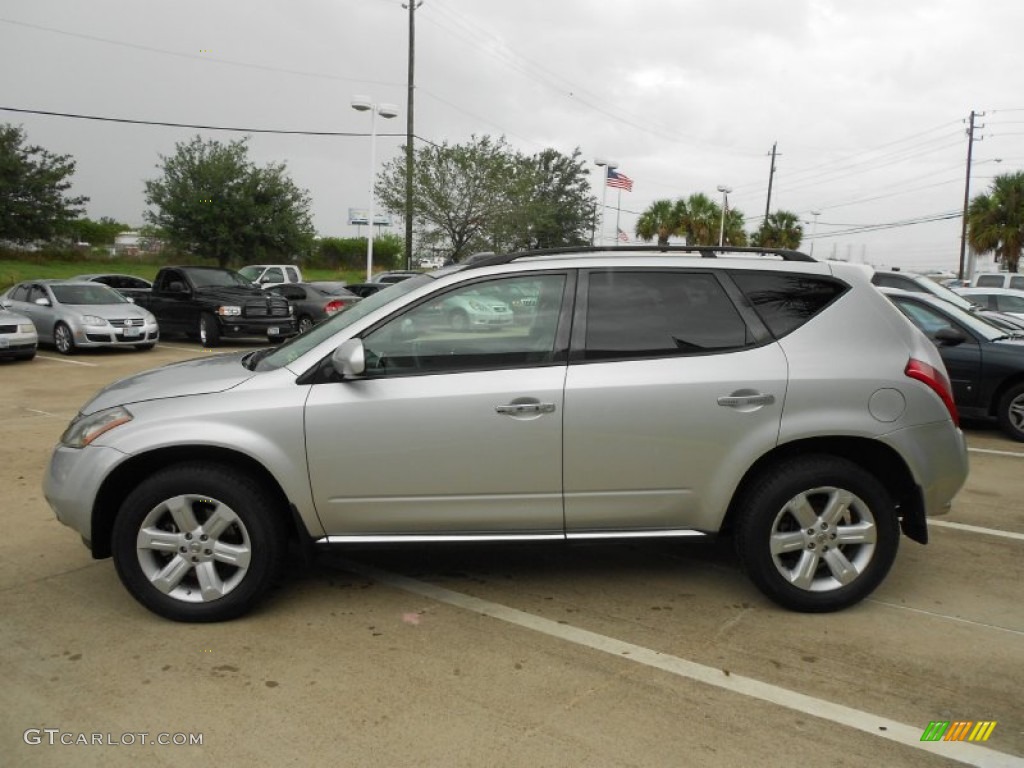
point(995, 220)
point(781, 229)
point(699, 219)
point(100, 232)
point(661, 220)
point(483, 195)
point(213, 202)
point(33, 186)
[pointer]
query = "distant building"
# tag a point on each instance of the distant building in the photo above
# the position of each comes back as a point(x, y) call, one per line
point(131, 244)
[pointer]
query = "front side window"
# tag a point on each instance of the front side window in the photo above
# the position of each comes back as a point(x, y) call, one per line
point(657, 314)
point(273, 275)
point(1017, 281)
point(1009, 303)
point(504, 323)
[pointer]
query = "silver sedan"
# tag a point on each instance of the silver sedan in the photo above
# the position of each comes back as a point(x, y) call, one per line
point(71, 315)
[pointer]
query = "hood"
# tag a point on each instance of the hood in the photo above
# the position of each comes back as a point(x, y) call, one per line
point(201, 376)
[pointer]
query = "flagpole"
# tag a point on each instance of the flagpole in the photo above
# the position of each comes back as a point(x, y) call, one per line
point(607, 166)
point(618, 210)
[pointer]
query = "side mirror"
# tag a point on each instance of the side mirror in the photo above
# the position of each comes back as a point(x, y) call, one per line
point(129, 299)
point(949, 337)
point(349, 360)
point(42, 302)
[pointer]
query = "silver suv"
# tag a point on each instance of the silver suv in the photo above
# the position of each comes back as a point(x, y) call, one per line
point(636, 393)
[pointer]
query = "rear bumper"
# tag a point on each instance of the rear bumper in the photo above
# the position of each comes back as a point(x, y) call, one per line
point(937, 457)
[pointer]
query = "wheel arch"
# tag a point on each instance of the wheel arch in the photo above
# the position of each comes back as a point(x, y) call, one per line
point(997, 394)
point(126, 476)
point(880, 460)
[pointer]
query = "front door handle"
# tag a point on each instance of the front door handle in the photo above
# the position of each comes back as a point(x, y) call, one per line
point(525, 409)
point(739, 401)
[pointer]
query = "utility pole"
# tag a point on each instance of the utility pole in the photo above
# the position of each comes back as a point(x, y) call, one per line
point(409, 129)
point(967, 191)
point(771, 175)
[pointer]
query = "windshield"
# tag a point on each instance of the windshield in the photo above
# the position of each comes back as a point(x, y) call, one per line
point(296, 347)
point(216, 278)
point(87, 294)
point(930, 318)
point(952, 297)
point(250, 273)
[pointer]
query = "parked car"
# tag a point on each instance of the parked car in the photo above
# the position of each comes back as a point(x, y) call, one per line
point(1006, 300)
point(74, 315)
point(266, 275)
point(18, 337)
point(363, 290)
point(395, 276)
point(209, 303)
point(908, 281)
point(476, 309)
point(655, 393)
point(998, 280)
point(985, 362)
point(314, 302)
point(128, 286)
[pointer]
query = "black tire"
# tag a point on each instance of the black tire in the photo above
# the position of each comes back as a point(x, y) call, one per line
point(209, 330)
point(800, 573)
point(1011, 412)
point(63, 339)
point(229, 507)
point(305, 323)
point(145, 347)
point(458, 320)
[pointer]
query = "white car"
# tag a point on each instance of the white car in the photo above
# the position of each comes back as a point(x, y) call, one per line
point(267, 275)
point(1008, 300)
point(998, 280)
point(18, 337)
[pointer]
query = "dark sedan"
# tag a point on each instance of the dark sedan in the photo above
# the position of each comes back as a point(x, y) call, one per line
point(985, 362)
point(127, 285)
point(314, 302)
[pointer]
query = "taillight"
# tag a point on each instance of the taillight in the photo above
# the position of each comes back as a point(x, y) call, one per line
point(335, 305)
point(936, 381)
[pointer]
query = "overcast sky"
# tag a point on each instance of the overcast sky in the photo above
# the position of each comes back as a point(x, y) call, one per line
point(867, 99)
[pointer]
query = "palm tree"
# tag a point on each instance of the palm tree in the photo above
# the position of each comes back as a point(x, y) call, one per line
point(660, 221)
point(735, 234)
point(995, 221)
point(700, 218)
point(781, 229)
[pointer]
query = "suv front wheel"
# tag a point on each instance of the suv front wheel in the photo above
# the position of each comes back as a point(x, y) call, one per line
point(198, 542)
point(817, 533)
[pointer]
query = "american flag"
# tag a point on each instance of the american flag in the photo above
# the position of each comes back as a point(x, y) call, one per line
point(623, 237)
point(619, 180)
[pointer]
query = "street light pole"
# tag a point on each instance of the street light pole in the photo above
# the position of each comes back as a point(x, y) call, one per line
point(363, 104)
point(606, 165)
point(814, 229)
point(725, 205)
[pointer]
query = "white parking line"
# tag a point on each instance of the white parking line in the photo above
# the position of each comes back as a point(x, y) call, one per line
point(981, 624)
point(901, 733)
point(994, 452)
point(977, 529)
point(65, 360)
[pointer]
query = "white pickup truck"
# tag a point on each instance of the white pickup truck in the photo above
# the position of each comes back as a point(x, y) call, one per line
point(266, 275)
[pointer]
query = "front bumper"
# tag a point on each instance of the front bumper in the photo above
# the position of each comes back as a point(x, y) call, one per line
point(269, 327)
point(72, 482)
point(99, 335)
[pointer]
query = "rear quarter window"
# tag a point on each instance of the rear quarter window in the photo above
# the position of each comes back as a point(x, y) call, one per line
point(786, 301)
point(989, 281)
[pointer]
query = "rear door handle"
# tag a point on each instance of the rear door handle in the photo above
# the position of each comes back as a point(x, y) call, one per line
point(738, 401)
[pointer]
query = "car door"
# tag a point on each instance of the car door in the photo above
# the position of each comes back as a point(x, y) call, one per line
point(667, 389)
point(447, 433)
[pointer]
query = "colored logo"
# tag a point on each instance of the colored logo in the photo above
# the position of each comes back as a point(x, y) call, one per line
point(958, 730)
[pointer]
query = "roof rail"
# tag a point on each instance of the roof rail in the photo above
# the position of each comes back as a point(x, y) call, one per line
point(705, 252)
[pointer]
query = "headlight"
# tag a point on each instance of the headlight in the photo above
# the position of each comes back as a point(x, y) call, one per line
point(84, 429)
point(149, 319)
point(93, 320)
point(229, 311)
point(27, 328)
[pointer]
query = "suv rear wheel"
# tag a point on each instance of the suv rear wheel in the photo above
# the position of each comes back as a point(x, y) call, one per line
point(817, 533)
point(199, 542)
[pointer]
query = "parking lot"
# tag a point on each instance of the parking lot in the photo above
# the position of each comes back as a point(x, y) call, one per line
point(628, 654)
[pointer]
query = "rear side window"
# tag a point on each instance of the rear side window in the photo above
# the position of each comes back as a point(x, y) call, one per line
point(1017, 281)
point(660, 314)
point(785, 301)
point(989, 281)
